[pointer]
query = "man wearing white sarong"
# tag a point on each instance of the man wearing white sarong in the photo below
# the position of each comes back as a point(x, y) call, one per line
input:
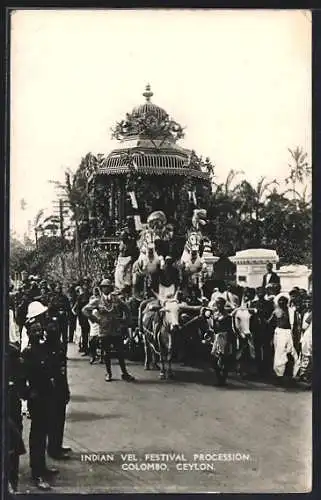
point(306, 349)
point(306, 342)
point(295, 317)
point(283, 341)
point(14, 337)
point(94, 327)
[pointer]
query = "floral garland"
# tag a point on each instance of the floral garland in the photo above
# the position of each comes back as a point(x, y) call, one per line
point(148, 125)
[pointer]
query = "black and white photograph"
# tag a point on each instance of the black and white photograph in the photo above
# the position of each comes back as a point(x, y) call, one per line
point(159, 335)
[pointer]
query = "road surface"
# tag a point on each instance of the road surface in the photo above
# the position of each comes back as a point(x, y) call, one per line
point(268, 430)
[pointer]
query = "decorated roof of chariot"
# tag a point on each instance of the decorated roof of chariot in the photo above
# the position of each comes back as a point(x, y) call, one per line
point(147, 144)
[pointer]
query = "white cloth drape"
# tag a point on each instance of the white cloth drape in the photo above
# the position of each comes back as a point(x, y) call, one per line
point(24, 339)
point(306, 341)
point(13, 329)
point(306, 320)
point(283, 345)
point(77, 334)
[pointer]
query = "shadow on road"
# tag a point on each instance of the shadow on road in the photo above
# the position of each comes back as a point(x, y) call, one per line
point(154, 381)
point(84, 416)
point(207, 378)
point(80, 398)
point(180, 377)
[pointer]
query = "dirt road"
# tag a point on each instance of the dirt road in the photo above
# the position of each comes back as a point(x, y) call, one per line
point(257, 438)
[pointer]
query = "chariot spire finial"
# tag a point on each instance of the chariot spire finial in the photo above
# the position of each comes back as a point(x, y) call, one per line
point(148, 93)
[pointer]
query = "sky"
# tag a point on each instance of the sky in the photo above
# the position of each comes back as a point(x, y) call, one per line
point(239, 81)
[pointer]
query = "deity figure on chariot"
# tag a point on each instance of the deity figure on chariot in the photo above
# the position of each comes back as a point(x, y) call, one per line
point(154, 244)
point(140, 261)
point(158, 233)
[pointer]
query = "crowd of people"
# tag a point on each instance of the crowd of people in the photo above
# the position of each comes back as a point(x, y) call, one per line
point(280, 328)
point(105, 317)
point(43, 319)
point(38, 375)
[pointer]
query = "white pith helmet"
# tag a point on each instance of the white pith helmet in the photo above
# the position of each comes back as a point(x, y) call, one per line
point(35, 309)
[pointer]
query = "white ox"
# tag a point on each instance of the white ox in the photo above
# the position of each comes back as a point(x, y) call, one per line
point(159, 322)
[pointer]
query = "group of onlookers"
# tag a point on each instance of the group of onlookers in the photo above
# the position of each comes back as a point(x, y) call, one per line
point(281, 328)
point(40, 313)
point(281, 325)
point(43, 319)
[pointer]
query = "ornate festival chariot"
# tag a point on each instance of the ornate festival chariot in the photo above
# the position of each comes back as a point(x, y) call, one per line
point(148, 173)
point(148, 200)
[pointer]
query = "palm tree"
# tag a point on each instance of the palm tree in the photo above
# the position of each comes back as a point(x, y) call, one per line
point(75, 195)
point(37, 224)
point(222, 213)
point(252, 198)
point(226, 187)
point(299, 169)
point(252, 202)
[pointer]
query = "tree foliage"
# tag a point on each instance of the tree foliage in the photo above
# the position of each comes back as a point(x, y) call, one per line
point(20, 255)
point(245, 216)
point(241, 215)
point(300, 170)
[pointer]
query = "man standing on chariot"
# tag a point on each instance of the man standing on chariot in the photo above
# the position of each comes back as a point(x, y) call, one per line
point(154, 244)
point(168, 279)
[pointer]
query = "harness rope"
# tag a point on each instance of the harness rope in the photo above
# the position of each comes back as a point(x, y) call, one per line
point(151, 344)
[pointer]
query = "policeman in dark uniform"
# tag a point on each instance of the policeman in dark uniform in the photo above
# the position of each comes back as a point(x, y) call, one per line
point(39, 376)
point(59, 307)
point(61, 393)
point(16, 444)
